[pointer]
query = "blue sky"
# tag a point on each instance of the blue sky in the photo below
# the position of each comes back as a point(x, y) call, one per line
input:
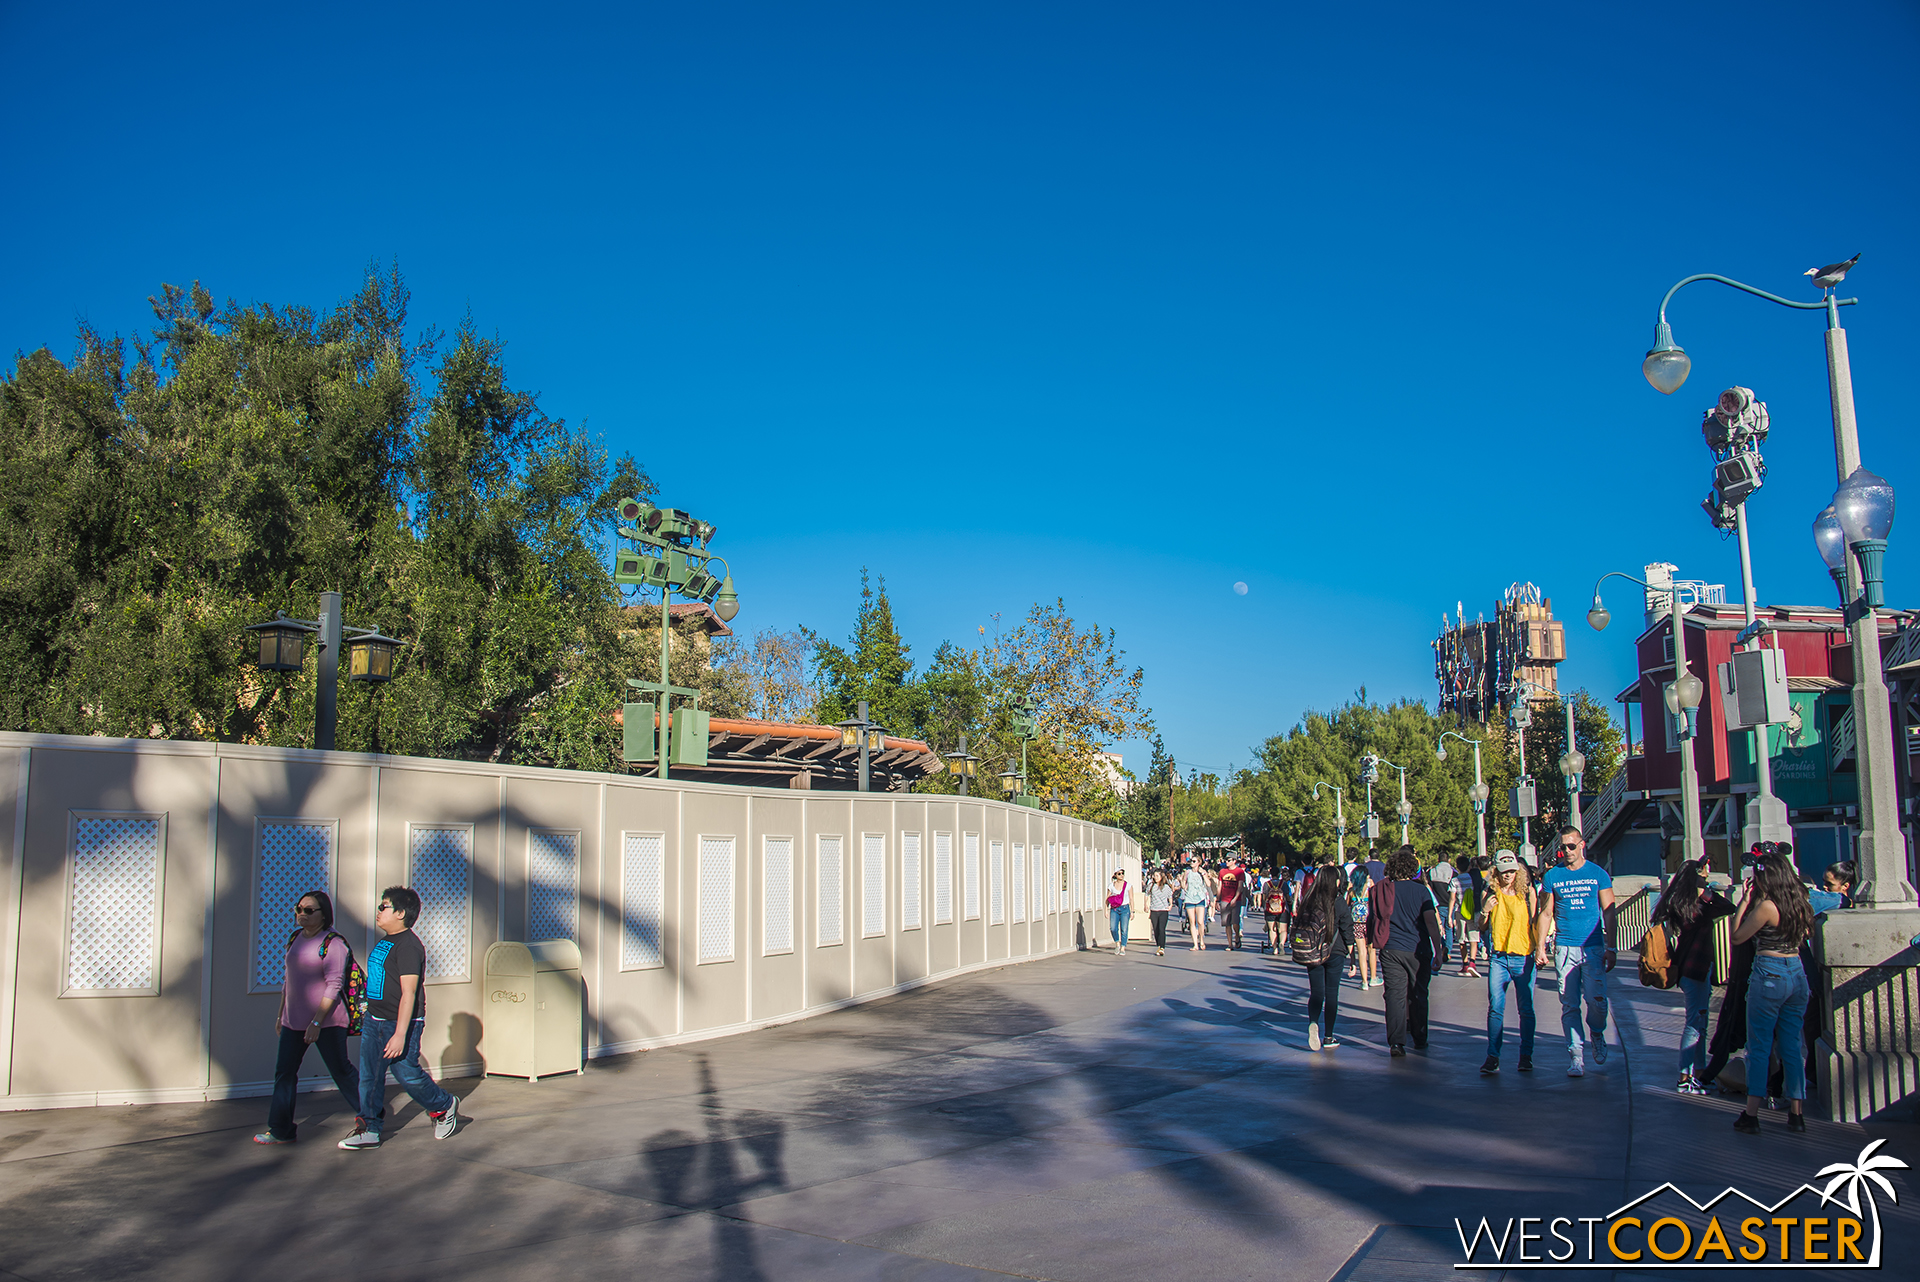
point(1129, 301)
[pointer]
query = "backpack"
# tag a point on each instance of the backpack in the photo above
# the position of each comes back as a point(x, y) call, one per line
point(1311, 938)
point(353, 988)
point(1659, 964)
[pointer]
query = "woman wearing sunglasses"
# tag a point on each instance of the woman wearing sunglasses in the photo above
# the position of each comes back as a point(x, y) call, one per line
point(311, 1013)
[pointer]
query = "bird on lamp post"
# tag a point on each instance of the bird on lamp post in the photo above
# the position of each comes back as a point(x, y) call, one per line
point(1832, 274)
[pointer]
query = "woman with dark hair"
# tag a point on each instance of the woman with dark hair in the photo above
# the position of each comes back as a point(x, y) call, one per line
point(1322, 937)
point(311, 1012)
point(1836, 888)
point(1777, 918)
point(1689, 906)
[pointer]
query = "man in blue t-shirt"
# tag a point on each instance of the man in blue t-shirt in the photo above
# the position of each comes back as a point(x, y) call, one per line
point(1578, 897)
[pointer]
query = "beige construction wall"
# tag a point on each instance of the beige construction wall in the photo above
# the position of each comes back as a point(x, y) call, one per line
point(147, 889)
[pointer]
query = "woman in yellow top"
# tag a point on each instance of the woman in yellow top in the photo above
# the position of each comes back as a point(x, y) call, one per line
point(1505, 921)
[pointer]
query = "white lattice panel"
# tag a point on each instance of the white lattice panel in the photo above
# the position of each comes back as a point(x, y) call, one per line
point(114, 903)
point(553, 885)
point(1019, 882)
point(997, 884)
point(832, 891)
point(942, 878)
point(294, 856)
point(1079, 881)
point(970, 870)
point(1056, 878)
point(716, 898)
point(873, 883)
point(643, 899)
point(909, 881)
point(440, 871)
point(776, 902)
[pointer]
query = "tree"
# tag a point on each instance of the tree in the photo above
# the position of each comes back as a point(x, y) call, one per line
point(876, 668)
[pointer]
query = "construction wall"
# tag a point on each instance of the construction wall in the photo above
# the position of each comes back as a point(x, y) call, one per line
point(147, 891)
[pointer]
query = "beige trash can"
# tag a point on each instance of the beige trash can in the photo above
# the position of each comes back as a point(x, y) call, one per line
point(535, 1009)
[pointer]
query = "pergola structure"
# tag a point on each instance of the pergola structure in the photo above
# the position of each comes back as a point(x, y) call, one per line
point(773, 754)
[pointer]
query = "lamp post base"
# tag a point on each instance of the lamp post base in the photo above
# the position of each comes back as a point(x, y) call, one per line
point(1765, 820)
point(1867, 1065)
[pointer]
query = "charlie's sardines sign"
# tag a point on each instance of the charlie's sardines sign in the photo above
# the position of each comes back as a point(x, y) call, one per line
point(1835, 1227)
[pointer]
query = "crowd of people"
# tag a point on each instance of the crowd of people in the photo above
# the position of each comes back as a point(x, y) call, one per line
point(1392, 924)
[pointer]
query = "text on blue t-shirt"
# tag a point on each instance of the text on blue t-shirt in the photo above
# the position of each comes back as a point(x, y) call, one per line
point(1576, 904)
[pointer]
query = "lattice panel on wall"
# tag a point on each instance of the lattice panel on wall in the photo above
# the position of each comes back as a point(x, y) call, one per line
point(113, 912)
point(716, 898)
point(873, 883)
point(942, 878)
point(776, 896)
point(997, 884)
point(833, 892)
point(970, 870)
point(643, 899)
point(553, 885)
point(1019, 882)
point(292, 857)
point(440, 870)
point(1056, 878)
point(909, 881)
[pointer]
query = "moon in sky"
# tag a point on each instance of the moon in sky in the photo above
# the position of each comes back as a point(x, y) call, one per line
point(1240, 589)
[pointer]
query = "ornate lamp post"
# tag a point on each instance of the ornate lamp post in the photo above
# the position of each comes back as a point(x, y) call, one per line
point(1573, 764)
point(1682, 699)
point(868, 737)
point(281, 647)
point(962, 765)
point(1882, 846)
point(1339, 819)
point(1404, 808)
point(1477, 794)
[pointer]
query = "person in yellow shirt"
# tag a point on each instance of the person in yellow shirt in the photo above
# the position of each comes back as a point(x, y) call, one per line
point(1505, 921)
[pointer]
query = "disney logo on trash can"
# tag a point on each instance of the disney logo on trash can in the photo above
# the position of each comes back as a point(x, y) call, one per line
point(502, 995)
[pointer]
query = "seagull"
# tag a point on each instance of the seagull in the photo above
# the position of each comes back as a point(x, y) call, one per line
point(1833, 273)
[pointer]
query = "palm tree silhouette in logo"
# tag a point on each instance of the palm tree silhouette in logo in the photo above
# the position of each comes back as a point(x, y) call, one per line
point(1854, 1176)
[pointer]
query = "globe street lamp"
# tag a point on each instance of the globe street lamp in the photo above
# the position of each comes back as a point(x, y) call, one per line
point(1573, 764)
point(1477, 794)
point(1405, 808)
point(1682, 695)
point(1339, 819)
point(1882, 845)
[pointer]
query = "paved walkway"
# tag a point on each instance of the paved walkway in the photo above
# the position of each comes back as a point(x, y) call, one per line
point(1085, 1117)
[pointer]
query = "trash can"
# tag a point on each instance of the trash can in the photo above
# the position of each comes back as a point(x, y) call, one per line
point(535, 1020)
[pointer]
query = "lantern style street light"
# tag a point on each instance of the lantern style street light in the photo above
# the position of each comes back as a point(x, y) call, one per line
point(962, 765)
point(1010, 780)
point(1477, 794)
point(1882, 846)
point(868, 737)
point(281, 647)
point(1682, 696)
point(669, 552)
point(1339, 818)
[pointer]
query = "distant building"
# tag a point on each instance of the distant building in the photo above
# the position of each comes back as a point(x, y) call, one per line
point(1482, 667)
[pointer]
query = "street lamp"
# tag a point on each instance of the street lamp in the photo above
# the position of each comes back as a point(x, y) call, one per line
point(865, 735)
point(1477, 794)
point(1573, 764)
point(1882, 845)
point(1863, 508)
point(962, 765)
point(1010, 781)
point(670, 553)
point(1682, 699)
point(1339, 819)
point(281, 647)
point(1405, 808)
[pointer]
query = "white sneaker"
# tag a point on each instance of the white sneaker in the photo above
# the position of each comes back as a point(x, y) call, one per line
point(361, 1137)
point(448, 1122)
point(1313, 1036)
point(1576, 1069)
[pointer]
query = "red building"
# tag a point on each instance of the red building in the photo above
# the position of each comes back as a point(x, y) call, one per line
point(1635, 824)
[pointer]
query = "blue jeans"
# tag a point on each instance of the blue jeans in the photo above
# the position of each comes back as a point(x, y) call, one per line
point(427, 1093)
point(332, 1045)
point(1503, 968)
point(1693, 1036)
point(1777, 998)
point(1120, 919)
point(1583, 973)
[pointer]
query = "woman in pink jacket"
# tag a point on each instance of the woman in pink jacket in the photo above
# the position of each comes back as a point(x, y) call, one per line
point(311, 1012)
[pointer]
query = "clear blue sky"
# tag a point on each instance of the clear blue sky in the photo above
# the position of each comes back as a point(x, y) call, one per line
point(1129, 302)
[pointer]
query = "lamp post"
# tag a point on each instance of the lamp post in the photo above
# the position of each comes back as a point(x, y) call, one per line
point(1573, 764)
point(1010, 781)
point(1882, 846)
point(670, 553)
point(1404, 808)
point(1339, 819)
point(282, 645)
point(1682, 699)
point(962, 765)
point(1478, 794)
point(868, 737)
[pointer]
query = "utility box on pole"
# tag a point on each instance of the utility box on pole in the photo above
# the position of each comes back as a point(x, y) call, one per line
point(688, 745)
point(1522, 802)
point(1753, 688)
point(636, 732)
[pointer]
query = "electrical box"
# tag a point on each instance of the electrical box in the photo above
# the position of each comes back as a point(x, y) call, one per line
point(1753, 689)
point(1522, 802)
point(1370, 828)
point(688, 744)
point(636, 732)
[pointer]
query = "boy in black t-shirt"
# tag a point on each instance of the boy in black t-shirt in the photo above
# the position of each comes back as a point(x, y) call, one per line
point(396, 1016)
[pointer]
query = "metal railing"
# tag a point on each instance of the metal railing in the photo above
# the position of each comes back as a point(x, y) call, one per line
point(1606, 806)
point(1630, 919)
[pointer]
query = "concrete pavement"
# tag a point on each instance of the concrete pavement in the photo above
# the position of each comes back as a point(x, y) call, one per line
point(1084, 1117)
